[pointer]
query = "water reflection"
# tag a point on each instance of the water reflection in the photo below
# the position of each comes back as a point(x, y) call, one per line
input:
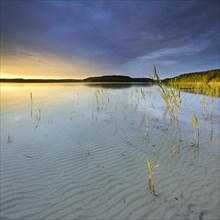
point(115, 85)
point(119, 106)
point(204, 89)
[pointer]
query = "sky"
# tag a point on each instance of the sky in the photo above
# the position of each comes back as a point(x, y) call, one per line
point(79, 39)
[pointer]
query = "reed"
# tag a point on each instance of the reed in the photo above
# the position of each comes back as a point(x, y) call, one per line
point(171, 97)
point(195, 124)
point(89, 150)
point(9, 138)
point(143, 94)
point(211, 135)
point(144, 98)
point(31, 100)
point(203, 102)
point(136, 89)
point(38, 117)
point(151, 177)
point(155, 112)
point(147, 124)
point(212, 105)
point(97, 93)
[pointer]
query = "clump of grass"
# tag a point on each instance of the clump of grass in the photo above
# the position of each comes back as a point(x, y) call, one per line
point(151, 177)
point(170, 96)
point(204, 104)
point(195, 124)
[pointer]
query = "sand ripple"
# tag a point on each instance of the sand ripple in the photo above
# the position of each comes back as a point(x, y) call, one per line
point(78, 174)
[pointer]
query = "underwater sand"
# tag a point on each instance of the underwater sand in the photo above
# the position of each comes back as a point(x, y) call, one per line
point(65, 155)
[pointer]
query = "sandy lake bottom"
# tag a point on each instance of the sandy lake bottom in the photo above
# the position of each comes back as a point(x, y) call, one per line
point(74, 151)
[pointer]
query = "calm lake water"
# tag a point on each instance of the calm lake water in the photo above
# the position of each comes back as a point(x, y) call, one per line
point(78, 151)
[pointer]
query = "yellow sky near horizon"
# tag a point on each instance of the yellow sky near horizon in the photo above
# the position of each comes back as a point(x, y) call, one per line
point(45, 66)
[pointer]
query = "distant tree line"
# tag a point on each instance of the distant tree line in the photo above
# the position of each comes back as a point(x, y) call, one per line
point(212, 76)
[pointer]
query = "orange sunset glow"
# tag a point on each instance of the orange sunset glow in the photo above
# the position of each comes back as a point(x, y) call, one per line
point(44, 66)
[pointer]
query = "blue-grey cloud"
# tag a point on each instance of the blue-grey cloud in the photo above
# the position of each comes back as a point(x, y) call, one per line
point(126, 37)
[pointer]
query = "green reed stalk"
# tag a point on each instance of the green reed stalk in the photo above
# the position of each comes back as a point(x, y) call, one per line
point(151, 178)
point(195, 124)
point(147, 124)
point(170, 96)
point(203, 103)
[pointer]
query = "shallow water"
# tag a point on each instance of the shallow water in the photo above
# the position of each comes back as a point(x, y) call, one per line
point(75, 151)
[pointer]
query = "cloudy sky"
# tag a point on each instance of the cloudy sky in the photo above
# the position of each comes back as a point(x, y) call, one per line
point(78, 39)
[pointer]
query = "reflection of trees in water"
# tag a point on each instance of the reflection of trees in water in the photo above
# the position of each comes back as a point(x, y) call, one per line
point(204, 89)
point(116, 85)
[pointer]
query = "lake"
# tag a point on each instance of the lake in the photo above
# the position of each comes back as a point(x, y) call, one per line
point(80, 151)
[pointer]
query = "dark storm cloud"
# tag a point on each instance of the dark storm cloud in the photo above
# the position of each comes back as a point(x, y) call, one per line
point(119, 35)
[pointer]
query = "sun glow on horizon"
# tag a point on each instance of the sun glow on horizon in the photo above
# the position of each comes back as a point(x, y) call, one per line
point(46, 66)
point(9, 76)
point(13, 76)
